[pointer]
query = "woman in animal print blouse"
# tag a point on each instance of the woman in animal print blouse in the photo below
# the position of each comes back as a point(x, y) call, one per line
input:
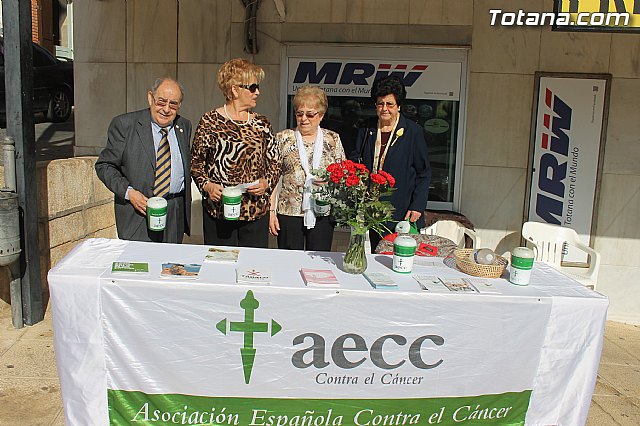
point(295, 221)
point(233, 145)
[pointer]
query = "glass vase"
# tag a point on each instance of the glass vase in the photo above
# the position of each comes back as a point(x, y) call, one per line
point(355, 259)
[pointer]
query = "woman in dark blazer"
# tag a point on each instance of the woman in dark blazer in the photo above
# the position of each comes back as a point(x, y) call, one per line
point(398, 146)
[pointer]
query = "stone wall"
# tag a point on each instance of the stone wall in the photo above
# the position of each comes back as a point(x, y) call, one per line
point(73, 205)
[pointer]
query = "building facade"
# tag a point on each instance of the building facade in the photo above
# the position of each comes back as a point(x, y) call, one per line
point(121, 46)
point(51, 25)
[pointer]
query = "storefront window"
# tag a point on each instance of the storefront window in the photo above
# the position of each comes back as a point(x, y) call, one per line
point(437, 118)
point(435, 80)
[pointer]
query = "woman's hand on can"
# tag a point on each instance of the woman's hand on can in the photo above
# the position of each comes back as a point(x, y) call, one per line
point(213, 190)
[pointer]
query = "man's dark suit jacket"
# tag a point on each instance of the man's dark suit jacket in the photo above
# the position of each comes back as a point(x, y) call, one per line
point(129, 159)
point(407, 161)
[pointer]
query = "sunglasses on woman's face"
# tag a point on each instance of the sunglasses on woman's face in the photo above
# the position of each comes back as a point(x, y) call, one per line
point(308, 114)
point(250, 87)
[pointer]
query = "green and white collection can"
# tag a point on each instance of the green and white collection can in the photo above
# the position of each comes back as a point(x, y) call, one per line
point(231, 199)
point(404, 248)
point(156, 213)
point(521, 265)
point(321, 206)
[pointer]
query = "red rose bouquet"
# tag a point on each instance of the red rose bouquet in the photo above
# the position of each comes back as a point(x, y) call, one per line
point(355, 197)
point(354, 194)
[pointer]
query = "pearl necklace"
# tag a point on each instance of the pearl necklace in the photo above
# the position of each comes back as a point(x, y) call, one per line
point(229, 117)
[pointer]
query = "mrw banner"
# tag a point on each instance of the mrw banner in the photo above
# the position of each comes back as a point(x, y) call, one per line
point(185, 353)
point(351, 77)
point(566, 149)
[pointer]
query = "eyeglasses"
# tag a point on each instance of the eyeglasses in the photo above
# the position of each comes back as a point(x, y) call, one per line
point(250, 87)
point(389, 105)
point(308, 114)
point(174, 105)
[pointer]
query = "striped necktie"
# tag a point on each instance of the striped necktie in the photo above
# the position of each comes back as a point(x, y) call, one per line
point(163, 166)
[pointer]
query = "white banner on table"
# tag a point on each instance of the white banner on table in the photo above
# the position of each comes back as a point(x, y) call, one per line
point(185, 351)
point(566, 148)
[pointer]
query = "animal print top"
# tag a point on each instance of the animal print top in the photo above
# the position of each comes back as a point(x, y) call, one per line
point(229, 154)
point(293, 176)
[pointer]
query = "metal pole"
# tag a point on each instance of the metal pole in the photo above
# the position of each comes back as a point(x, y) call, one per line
point(18, 67)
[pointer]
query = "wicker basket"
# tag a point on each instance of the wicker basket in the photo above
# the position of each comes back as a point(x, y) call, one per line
point(476, 269)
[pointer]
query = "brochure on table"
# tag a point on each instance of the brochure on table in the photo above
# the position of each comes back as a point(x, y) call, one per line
point(223, 255)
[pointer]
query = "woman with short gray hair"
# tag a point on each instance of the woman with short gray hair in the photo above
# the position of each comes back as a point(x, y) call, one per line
point(294, 221)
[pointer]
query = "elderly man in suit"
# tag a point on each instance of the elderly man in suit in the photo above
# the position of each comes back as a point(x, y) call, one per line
point(147, 154)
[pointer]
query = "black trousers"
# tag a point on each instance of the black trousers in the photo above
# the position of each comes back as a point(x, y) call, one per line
point(238, 233)
point(293, 235)
point(374, 238)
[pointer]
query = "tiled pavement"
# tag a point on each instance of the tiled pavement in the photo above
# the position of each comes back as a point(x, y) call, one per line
point(29, 387)
point(30, 391)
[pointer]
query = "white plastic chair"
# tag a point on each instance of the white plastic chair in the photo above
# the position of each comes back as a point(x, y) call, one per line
point(548, 242)
point(454, 231)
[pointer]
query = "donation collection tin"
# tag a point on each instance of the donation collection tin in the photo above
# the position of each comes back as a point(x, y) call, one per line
point(321, 206)
point(156, 213)
point(231, 198)
point(521, 265)
point(404, 248)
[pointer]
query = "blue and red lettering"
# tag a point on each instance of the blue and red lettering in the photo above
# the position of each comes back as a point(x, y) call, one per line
point(552, 169)
point(356, 73)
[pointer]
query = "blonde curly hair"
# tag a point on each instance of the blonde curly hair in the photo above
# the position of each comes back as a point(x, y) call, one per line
point(235, 72)
point(311, 96)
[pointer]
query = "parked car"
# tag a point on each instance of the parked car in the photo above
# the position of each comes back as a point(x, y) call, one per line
point(52, 85)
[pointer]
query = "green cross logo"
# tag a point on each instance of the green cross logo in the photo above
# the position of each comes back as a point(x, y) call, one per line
point(248, 327)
